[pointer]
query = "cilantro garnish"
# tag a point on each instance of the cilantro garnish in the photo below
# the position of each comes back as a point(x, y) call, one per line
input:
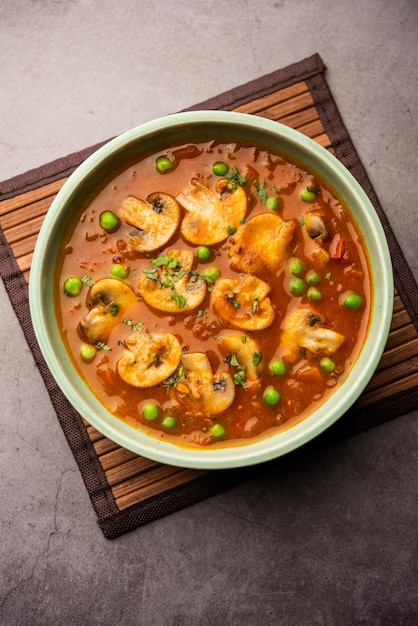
point(88, 281)
point(257, 358)
point(236, 180)
point(101, 345)
point(129, 322)
point(262, 192)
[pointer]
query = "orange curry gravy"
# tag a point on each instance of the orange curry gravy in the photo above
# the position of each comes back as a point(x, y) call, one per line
point(327, 258)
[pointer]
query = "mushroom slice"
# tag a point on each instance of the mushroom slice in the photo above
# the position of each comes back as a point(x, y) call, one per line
point(246, 351)
point(303, 328)
point(155, 220)
point(316, 231)
point(315, 225)
point(171, 286)
point(108, 300)
point(148, 358)
point(260, 243)
point(244, 303)
point(209, 214)
point(201, 389)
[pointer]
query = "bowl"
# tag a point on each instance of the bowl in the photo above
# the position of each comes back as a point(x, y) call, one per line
point(151, 137)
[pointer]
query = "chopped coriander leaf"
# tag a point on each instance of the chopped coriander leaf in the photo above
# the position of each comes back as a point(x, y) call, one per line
point(88, 281)
point(101, 345)
point(243, 338)
point(257, 358)
point(254, 307)
point(179, 299)
point(231, 359)
point(129, 322)
point(236, 180)
point(240, 379)
point(262, 192)
point(201, 313)
point(175, 377)
point(152, 274)
point(114, 309)
point(169, 261)
point(231, 230)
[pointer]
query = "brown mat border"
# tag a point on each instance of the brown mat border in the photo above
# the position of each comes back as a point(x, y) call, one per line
point(113, 521)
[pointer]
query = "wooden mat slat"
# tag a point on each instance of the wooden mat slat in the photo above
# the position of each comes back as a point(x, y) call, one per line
point(282, 95)
point(170, 480)
point(30, 197)
point(22, 233)
point(115, 457)
point(125, 472)
point(399, 319)
point(401, 385)
point(132, 478)
point(401, 335)
point(26, 213)
point(145, 479)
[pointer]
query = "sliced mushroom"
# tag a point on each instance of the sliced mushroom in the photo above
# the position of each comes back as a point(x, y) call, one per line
point(200, 389)
point(108, 300)
point(304, 328)
point(209, 214)
point(155, 220)
point(262, 242)
point(244, 303)
point(316, 232)
point(171, 286)
point(247, 352)
point(315, 225)
point(148, 358)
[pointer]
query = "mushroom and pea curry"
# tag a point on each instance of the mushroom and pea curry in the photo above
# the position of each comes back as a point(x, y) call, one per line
point(214, 293)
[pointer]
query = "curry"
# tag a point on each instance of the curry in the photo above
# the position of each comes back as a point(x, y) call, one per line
point(214, 293)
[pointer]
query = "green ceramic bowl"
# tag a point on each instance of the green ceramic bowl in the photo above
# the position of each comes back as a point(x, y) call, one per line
point(152, 136)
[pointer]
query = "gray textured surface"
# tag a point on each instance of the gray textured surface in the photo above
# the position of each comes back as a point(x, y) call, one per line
point(331, 541)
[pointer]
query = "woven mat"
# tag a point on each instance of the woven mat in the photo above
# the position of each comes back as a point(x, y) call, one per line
point(126, 490)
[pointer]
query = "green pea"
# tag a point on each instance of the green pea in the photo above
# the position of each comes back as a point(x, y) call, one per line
point(273, 203)
point(212, 273)
point(296, 266)
point(169, 422)
point(314, 294)
point(87, 352)
point(163, 164)
point(278, 367)
point(271, 396)
point(203, 253)
point(119, 271)
point(217, 431)
point(73, 286)
point(313, 278)
point(109, 221)
point(353, 301)
point(307, 195)
point(220, 168)
point(151, 412)
point(327, 364)
point(297, 287)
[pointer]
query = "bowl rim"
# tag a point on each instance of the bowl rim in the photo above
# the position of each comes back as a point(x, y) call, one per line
point(249, 452)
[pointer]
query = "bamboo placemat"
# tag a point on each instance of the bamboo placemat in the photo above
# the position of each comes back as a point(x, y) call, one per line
point(126, 490)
